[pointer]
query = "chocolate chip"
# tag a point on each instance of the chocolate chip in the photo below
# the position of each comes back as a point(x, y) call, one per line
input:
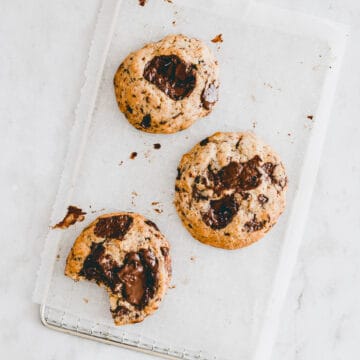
point(129, 109)
point(157, 146)
point(269, 168)
point(262, 199)
point(171, 75)
point(146, 121)
point(197, 195)
point(221, 212)
point(209, 96)
point(178, 176)
point(114, 227)
point(152, 224)
point(142, 2)
point(133, 155)
point(254, 225)
point(204, 142)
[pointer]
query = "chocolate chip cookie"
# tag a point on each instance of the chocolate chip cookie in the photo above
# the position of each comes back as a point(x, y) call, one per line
point(127, 255)
point(230, 189)
point(165, 86)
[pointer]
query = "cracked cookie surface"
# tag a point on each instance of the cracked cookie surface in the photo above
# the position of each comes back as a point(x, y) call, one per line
point(167, 85)
point(127, 255)
point(230, 189)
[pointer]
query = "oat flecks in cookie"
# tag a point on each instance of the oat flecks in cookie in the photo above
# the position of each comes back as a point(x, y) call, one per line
point(127, 255)
point(167, 85)
point(230, 190)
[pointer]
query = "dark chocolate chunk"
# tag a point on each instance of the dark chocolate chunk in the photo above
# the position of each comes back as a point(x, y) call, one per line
point(171, 75)
point(133, 155)
point(178, 176)
point(254, 225)
point(114, 227)
point(99, 266)
point(164, 250)
point(250, 177)
point(209, 96)
point(235, 175)
point(146, 121)
point(204, 142)
point(221, 212)
point(262, 199)
point(152, 224)
point(157, 146)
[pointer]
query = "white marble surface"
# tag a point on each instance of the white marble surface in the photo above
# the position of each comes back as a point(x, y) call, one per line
point(43, 49)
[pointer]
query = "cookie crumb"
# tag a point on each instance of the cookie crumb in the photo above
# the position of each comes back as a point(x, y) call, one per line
point(289, 134)
point(217, 39)
point(57, 257)
point(133, 155)
point(310, 117)
point(253, 98)
point(169, 1)
point(142, 2)
point(155, 203)
point(174, 23)
point(85, 300)
point(159, 211)
point(120, 163)
point(172, 286)
point(192, 258)
point(73, 215)
point(157, 146)
point(254, 124)
point(95, 211)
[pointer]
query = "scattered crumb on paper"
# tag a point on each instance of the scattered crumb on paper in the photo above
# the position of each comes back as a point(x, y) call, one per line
point(73, 215)
point(217, 39)
point(133, 155)
point(85, 300)
point(310, 117)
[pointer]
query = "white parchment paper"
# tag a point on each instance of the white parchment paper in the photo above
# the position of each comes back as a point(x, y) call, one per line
point(278, 77)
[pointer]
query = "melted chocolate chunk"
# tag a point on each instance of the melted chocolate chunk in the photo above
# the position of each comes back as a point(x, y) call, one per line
point(262, 199)
point(204, 142)
point(209, 96)
point(150, 223)
point(171, 75)
point(139, 276)
point(114, 227)
point(254, 225)
point(146, 121)
point(221, 212)
point(99, 266)
point(250, 177)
